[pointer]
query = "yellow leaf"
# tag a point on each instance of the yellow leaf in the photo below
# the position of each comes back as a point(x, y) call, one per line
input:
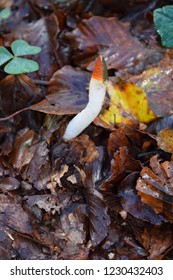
point(128, 104)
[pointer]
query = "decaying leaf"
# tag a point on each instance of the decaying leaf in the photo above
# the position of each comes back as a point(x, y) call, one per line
point(165, 140)
point(157, 240)
point(102, 195)
point(67, 92)
point(157, 84)
point(10, 213)
point(98, 217)
point(9, 184)
point(131, 202)
point(155, 187)
point(128, 104)
point(111, 38)
point(24, 150)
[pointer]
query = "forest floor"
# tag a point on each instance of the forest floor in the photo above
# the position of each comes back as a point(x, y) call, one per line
point(108, 193)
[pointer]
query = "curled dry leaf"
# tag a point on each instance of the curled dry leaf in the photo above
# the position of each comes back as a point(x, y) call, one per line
point(157, 241)
point(132, 203)
point(99, 219)
point(155, 187)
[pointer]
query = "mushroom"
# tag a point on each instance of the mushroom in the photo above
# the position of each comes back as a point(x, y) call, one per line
point(97, 92)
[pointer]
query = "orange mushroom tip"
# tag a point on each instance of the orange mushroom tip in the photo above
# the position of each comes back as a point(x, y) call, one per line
point(100, 72)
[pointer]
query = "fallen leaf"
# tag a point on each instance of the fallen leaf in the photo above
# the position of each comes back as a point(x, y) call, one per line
point(155, 187)
point(7, 251)
point(23, 149)
point(99, 219)
point(67, 92)
point(26, 92)
point(157, 84)
point(72, 224)
point(165, 140)
point(157, 240)
point(10, 213)
point(112, 39)
point(131, 202)
point(128, 104)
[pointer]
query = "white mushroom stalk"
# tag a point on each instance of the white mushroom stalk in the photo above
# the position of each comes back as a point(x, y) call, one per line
point(97, 91)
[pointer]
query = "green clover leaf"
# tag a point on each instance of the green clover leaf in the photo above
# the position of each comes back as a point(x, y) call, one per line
point(19, 65)
point(21, 47)
point(5, 55)
point(163, 19)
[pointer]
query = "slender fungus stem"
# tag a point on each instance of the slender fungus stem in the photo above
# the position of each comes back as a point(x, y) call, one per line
point(97, 91)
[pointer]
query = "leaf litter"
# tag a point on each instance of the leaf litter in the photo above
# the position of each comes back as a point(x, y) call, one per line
point(106, 194)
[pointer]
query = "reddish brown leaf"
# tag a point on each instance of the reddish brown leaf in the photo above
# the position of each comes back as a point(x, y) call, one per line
point(157, 84)
point(112, 39)
point(155, 187)
point(131, 202)
point(98, 217)
point(157, 240)
point(23, 149)
point(25, 92)
point(165, 140)
point(10, 213)
point(67, 92)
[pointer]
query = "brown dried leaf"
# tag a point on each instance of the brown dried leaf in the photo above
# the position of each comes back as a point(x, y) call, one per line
point(122, 162)
point(7, 251)
point(112, 39)
point(23, 150)
point(38, 160)
point(72, 224)
point(26, 249)
point(155, 187)
point(67, 92)
point(17, 92)
point(50, 203)
point(98, 217)
point(165, 140)
point(157, 83)
point(13, 216)
point(131, 202)
point(157, 240)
